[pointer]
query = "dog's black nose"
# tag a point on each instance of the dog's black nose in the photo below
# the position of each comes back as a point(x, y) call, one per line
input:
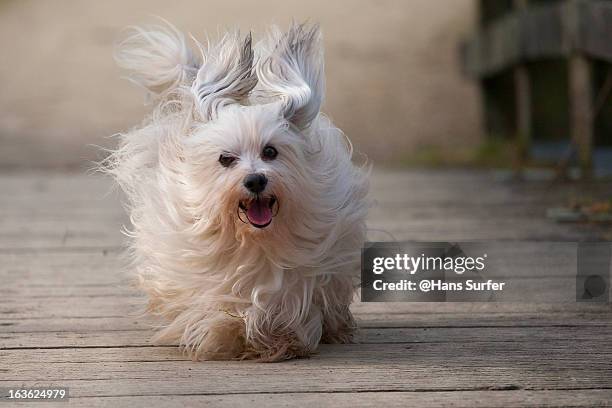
point(255, 182)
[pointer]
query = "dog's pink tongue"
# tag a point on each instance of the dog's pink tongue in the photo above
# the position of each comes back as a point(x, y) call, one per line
point(259, 212)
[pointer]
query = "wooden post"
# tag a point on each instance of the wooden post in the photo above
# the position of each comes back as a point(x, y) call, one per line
point(522, 95)
point(581, 115)
point(580, 91)
point(522, 92)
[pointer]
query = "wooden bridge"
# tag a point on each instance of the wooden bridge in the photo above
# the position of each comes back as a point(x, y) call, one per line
point(69, 318)
point(578, 31)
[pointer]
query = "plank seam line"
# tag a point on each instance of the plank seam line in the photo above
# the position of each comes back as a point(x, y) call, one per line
point(395, 343)
point(509, 388)
point(62, 249)
point(522, 326)
point(87, 347)
point(146, 328)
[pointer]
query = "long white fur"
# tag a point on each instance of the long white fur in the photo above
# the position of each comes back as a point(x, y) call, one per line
point(225, 289)
point(293, 71)
point(158, 57)
point(226, 76)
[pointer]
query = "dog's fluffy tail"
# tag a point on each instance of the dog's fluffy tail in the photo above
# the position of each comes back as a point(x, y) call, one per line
point(158, 58)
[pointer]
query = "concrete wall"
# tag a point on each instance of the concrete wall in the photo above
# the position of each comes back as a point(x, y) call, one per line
point(393, 72)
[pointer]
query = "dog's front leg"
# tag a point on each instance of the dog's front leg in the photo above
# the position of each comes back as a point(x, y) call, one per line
point(335, 298)
point(338, 326)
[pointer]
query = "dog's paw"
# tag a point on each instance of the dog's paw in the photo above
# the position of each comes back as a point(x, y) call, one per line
point(344, 336)
point(282, 350)
point(339, 328)
point(223, 340)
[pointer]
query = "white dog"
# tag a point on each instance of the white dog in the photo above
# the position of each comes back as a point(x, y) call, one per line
point(248, 214)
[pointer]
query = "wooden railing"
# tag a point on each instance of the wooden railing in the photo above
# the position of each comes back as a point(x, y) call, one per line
point(578, 30)
point(544, 31)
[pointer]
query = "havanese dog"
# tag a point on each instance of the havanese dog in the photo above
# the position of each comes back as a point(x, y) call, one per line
point(247, 213)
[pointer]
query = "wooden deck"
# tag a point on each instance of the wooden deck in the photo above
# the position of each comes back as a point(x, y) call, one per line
point(68, 317)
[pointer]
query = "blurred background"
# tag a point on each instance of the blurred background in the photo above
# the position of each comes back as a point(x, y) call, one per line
point(448, 82)
point(393, 67)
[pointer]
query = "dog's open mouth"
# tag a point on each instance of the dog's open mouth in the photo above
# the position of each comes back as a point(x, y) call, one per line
point(258, 211)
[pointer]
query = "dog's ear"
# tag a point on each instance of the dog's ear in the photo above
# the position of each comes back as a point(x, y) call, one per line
point(291, 68)
point(158, 57)
point(226, 75)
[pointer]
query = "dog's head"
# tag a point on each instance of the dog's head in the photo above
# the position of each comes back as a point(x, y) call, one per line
point(244, 154)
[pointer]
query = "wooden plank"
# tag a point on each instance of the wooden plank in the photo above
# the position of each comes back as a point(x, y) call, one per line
point(73, 324)
point(84, 290)
point(530, 290)
point(58, 211)
point(461, 399)
point(11, 331)
point(358, 367)
point(15, 308)
point(366, 335)
point(71, 307)
point(482, 308)
point(52, 233)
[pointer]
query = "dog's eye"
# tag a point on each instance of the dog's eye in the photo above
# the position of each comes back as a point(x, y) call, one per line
point(269, 153)
point(226, 160)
